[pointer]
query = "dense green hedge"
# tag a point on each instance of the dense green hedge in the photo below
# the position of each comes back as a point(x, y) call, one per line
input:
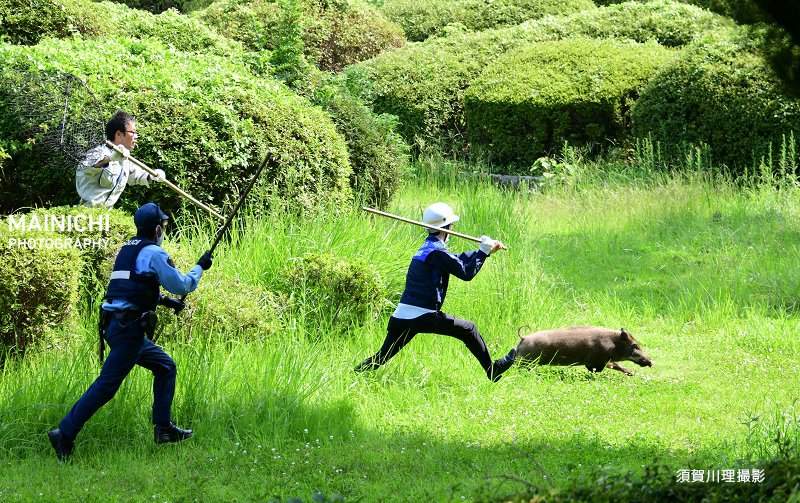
point(423, 84)
point(722, 94)
point(744, 11)
point(204, 119)
point(223, 307)
point(335, 34)
point(27, 22)
point(378, 154)
point(421, 20)
point(157, 6)
point(532, 100)
point(345, 292)
point(38, 286)
point(98, 260)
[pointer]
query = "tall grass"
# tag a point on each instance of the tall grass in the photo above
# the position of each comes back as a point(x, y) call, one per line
point(702, 271)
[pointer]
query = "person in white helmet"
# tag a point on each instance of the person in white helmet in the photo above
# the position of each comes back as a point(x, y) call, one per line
point(419, 310)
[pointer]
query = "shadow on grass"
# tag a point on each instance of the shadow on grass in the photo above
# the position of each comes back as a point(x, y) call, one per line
point(245, 452)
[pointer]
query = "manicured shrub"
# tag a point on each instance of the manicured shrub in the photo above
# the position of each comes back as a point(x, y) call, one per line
point(232, 309)
point(156, 6)
point(97, 244)
point(225, 308)
point(27, 22)
point(205, 120)
point(333, 289)
point(170, 27)
point(421, 20)
point(423, 84)
point(744, 11)
point(38, 286)
point(722, 94)
point(378, 154)
point(532, 100)
point(335, 34)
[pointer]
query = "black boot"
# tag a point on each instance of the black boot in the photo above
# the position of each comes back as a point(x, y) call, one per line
point(62, 445)
point(367, 365)
point(170, 433)
point(499, 366)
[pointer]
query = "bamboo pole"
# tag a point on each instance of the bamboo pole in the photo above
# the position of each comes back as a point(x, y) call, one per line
point(166, 182)
point(421, 224)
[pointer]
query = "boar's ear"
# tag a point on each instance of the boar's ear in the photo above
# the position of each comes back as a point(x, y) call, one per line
point(624, 334)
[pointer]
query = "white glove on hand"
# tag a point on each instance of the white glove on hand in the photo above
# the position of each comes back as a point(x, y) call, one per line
point(160, 176)
point(116, 156)
point(486, 245)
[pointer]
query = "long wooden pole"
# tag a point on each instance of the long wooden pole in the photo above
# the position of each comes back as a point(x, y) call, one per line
point(421, 224)
point(166, 182)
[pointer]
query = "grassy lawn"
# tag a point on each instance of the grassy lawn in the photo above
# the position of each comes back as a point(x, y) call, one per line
point(704, 275)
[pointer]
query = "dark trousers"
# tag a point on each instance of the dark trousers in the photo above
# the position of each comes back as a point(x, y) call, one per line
point(400, 332)
point(129, 347)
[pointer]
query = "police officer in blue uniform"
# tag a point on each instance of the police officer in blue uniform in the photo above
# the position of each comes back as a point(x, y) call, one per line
point(127, 324)
point(419, 310)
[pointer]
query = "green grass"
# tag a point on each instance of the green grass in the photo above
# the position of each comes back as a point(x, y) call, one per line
point(703, 273)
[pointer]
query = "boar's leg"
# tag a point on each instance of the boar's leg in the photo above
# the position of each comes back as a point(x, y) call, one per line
point(616, 366)
point(595, 367)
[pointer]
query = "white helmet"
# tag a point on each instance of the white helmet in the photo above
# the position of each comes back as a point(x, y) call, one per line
point(439, 215)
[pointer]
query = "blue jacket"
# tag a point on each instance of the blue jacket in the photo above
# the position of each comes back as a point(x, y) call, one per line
point(140, 269)
point(430, 270)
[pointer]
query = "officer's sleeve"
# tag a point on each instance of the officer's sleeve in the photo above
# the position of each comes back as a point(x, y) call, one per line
point(464, 266)
point(171, 278)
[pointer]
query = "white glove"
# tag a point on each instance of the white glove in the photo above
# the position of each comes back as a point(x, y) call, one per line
point(486, 245)
point(160, 176)
point(116, 156)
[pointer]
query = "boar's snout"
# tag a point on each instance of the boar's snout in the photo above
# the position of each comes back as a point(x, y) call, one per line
point(642, 361)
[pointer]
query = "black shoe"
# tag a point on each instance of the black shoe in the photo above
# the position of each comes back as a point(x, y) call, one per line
point(62, 445)
point(500, 366)
point(367, 365)
point(171, 433)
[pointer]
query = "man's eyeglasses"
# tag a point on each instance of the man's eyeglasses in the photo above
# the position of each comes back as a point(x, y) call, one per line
point(133, 133)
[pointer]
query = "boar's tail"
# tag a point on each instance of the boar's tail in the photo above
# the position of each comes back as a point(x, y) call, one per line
point(519, 331)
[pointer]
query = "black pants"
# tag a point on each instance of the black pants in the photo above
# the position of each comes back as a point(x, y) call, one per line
point(129, 347)
point(400, 332)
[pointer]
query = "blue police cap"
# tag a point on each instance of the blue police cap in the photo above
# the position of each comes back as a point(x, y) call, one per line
point(148, 216)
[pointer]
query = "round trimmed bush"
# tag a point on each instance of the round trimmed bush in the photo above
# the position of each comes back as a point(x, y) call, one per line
point(378, 154)
point(38, 286)
point(156, 6)
point(421, 20)
point(721, 94)
point(424, 84)
point(333, 289)
point(335, 34)
point(204, 119)
point(97, 244)
point(532, 100)
point(27, 22)
point(223, 306)
point(744, 11)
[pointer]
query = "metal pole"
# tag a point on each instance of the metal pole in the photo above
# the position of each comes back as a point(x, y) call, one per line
point(221, 231)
